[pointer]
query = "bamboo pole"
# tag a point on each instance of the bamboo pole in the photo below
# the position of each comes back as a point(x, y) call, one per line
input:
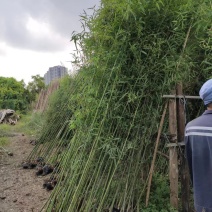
point(180, 96)
point(155, 153)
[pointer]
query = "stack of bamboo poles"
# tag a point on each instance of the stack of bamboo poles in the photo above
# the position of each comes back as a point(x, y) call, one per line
point(42, 100)
point(53, 140)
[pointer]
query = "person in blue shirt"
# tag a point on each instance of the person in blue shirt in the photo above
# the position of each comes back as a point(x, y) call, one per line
point(198, 144)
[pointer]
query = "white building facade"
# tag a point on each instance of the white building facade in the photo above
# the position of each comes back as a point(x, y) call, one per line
point(54, 73)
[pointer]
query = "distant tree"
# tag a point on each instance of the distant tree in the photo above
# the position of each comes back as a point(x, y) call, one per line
point(34, 87)
point(13, 94)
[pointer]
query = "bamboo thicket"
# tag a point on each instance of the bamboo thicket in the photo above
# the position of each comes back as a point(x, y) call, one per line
point(133, 53)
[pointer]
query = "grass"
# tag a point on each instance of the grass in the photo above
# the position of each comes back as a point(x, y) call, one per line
point(4, 127)
point(4, 141)
point(4, 134)
point(29, 124)
point(32, 124)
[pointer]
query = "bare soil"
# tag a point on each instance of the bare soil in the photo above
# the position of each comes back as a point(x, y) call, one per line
point(20, 189)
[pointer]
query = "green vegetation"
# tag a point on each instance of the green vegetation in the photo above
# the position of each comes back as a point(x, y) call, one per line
point(101, 124)
point(5, 133)
point(13, 95)
point(30, 124)
point(4, 127)
point(55, 131)
point(3, 141)
point(35, 86)
point(16, 95)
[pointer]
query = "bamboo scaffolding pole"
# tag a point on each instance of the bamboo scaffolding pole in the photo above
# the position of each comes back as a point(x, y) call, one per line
point(180, 96)
point(155, 153)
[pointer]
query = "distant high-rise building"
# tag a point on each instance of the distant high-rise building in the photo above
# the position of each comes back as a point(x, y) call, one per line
point(55, 72)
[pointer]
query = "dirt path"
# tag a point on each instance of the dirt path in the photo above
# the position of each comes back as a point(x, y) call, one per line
point(20, 189)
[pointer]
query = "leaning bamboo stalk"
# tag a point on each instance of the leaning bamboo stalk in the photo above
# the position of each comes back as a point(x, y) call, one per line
point(155, 153)
point(162, 154)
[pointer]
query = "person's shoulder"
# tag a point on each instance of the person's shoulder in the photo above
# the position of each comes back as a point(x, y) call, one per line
point(195, 122)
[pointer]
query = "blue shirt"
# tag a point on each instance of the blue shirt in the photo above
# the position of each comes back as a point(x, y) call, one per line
point(198, 141)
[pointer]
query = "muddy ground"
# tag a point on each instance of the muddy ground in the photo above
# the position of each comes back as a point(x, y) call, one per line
point(20, 189)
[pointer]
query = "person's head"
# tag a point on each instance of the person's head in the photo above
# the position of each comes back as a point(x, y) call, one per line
point(206, 94)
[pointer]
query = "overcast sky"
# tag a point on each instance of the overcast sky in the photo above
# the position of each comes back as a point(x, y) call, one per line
point(35, 34)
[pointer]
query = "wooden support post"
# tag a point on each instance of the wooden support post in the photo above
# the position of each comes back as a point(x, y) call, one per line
point(184, 172)
point(173, 156)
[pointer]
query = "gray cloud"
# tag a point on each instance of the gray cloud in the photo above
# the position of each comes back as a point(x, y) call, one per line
point(61, 15)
